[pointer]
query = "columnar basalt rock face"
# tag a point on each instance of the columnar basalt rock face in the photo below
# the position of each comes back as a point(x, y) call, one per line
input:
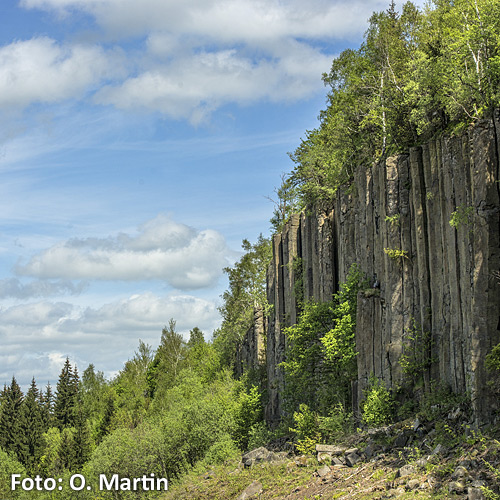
point(251, 353)
point(442, 281)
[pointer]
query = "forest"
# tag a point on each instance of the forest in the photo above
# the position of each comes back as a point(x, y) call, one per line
point(418, 74)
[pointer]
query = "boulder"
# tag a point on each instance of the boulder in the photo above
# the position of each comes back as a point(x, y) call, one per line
point(251, 491)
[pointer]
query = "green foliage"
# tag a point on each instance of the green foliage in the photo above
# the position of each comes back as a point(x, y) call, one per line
point(285, 203)
point(247, 291)
point(493, 366)
point(306, 429)
point(248, 413)
point(68, 387)
point(129, 453)
point(336, 424)
point(259, 435)
point(202, 356)
point(222, 450)
point(378, 405)
point(168, 360)
point(32, 418)
point(440, 400)
point(462, 216)
point(396, 253)
point(9, 466)
point(12, 434)
point(128, 392)
point(416, 74)
point(416, 358)
point(321, 351)
point(298, 287)
point(393, 220)
point(493, 359)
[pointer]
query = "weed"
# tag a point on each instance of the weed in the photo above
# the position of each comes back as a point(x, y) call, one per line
point(461, 216)
point(416, 359)
point(393, 219)
point(378, 406)
point(396, 253)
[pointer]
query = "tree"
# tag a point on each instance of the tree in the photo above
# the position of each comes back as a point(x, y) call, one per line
point(168, 360)
point(416, 74)
point(247, 291)
point(66, 396)
point(47, 407)
point(32, 418)
point(12, 424)
point(130, 388)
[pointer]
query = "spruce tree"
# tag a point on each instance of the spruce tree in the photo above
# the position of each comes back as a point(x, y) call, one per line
point(47, 405)
point(12, 424)
point(32, 418)
point(81, 439)
point(65, 402)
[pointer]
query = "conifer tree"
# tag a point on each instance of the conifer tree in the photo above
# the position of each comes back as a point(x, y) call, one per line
point(81, 439)
point(12, 425)
point(47, 405)
point(32, 418)
point(65, 402)
point(105, 425)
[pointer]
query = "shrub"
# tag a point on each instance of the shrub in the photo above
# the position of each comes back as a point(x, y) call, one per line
point(306, 429)
point(378, 406)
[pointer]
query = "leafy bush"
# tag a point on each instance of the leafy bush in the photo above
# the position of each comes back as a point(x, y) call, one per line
point(306, 429)
point(321, 350)
point(9, 466)
point(416, 358)
point(378, 405)
point(338, 423)
point(223, 449)
point(248, 412)
point(440, 400)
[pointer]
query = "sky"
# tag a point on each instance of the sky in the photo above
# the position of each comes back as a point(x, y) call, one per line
point(139, 143)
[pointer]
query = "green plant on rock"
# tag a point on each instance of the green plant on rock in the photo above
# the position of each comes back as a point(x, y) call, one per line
point(306, 429)
point(462, 216)
point(493, 359)
point(338, 423)
point(393, 219)
point(378, 405)
point(440, 400)
point(298, 287)
point(396, 253)
point(493, 366)
point(416, 358)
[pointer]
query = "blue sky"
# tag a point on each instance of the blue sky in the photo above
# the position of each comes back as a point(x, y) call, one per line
point(138, 143)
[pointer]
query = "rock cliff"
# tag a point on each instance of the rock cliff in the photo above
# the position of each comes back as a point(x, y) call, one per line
point(394, 222)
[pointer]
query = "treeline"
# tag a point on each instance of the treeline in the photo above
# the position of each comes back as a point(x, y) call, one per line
point(164, 413)
point(418, 73)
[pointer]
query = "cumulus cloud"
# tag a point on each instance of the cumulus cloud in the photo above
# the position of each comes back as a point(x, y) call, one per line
point(162, 250)
point(196, 84)
point(42, 70)
point(37, 337)
point(202, 54)
point(225, 20)
point(15, 288)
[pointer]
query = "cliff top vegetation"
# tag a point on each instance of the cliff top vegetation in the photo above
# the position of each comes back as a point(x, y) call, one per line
point(417, 74)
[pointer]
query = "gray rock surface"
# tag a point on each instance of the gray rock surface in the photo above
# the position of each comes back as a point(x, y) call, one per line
point(251, 491)
point(444, 283)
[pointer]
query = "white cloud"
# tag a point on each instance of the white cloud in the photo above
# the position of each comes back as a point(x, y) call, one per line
point(225, 20)
point(37, 337)
point(198, 54)
point(196, 84)
point(15, 288)
point(42, 70)
point(162, 250)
